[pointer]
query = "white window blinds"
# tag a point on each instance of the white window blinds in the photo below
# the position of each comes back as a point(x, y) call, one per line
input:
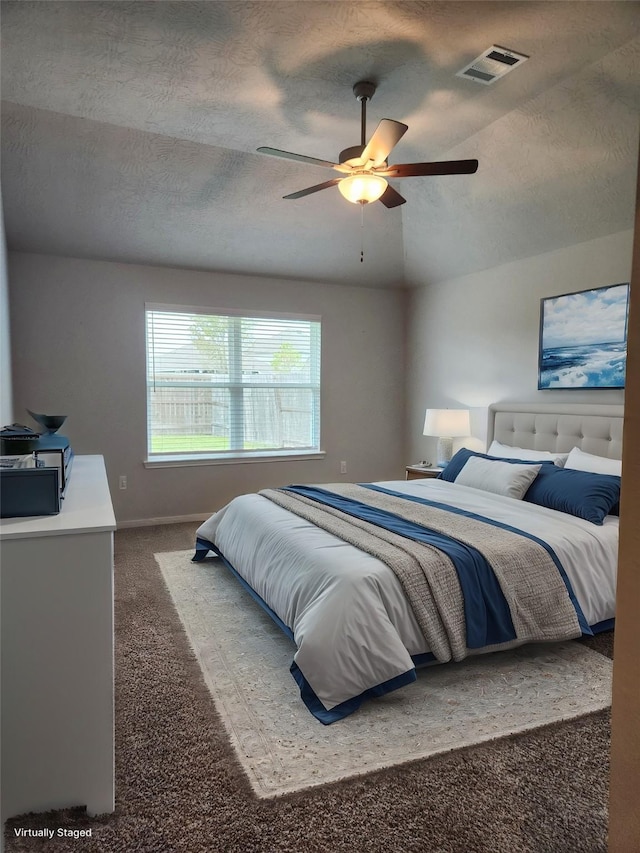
point(220, 384)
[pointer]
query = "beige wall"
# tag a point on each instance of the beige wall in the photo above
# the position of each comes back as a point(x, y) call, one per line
point(473, 341)
point(78, 349)
point(6, 402)
point(624, 805)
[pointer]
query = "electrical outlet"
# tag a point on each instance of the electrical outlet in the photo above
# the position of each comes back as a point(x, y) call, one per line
point(343, 467)
point(122, 482)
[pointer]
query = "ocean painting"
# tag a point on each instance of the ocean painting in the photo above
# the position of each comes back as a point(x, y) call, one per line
point(583, 339)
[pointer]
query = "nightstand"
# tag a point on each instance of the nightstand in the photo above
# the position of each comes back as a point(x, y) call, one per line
point(417, 472)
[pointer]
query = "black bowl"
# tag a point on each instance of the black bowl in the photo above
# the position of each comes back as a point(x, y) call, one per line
point(51, 423)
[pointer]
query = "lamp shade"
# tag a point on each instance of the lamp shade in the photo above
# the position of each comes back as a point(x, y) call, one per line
point(446, 424)
point(362, 188)
point(451, 423)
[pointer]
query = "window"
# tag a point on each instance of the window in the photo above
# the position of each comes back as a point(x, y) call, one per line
point(229, 386)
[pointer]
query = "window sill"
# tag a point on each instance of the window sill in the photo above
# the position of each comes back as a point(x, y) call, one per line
point(186, 460)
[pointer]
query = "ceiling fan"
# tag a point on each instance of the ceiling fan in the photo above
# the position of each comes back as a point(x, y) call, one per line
point(365, 167)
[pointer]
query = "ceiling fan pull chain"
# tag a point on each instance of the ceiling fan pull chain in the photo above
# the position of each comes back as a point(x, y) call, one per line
point(362, 233)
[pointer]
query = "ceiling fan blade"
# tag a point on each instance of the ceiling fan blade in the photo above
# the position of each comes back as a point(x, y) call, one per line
point(387, 134)
point(391, 198)
point(447, 167)
point(302, 158)
point(314, 189)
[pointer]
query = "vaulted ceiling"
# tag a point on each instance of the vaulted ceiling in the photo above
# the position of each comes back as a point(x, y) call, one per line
point(129, 132)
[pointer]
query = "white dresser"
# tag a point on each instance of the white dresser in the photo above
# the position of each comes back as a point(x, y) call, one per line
point(56, 586)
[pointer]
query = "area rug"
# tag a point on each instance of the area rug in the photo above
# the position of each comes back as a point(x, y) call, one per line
point(245, 661)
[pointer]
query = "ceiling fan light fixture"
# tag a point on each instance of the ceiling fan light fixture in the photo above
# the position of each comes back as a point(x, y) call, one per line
point(362, 189)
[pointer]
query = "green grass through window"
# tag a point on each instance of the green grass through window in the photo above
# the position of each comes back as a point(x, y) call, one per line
point(196, 444)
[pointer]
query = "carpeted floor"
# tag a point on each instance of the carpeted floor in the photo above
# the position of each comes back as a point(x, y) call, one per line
point(180, 789)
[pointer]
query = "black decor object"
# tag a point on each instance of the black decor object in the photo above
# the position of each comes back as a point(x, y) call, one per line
point(51, 423)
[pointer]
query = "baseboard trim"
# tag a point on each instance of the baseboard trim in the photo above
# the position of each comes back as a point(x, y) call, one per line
point(169, 519)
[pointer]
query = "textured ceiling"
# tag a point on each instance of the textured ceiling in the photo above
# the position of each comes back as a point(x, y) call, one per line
point(129, 132)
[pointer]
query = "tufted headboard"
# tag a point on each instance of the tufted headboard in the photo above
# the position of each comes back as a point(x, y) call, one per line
point(595, 428)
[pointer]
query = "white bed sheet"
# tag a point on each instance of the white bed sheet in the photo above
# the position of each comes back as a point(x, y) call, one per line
point(352, 624)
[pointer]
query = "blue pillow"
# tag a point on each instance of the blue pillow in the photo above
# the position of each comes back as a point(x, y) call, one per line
point(458, 461)
point(580, 493)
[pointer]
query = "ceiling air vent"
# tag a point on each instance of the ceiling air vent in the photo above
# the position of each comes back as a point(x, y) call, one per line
point(494, 63)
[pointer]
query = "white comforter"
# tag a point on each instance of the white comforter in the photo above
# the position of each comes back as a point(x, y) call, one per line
point(351, 622)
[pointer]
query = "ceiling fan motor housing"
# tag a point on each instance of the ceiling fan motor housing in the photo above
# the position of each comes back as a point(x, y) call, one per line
point(352, 153)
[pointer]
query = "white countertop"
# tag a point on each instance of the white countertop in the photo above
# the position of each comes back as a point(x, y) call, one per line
point(86, 507)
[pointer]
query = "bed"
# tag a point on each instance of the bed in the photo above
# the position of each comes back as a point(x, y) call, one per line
point(374, 580)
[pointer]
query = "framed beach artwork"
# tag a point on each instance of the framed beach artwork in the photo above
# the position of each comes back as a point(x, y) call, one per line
point(583, 338)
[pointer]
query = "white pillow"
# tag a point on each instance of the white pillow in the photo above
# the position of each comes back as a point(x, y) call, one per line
point(501, 478)
point(506, 452)
point(580, 461)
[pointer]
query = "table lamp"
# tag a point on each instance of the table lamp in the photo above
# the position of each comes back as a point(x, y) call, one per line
point(446, 424)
